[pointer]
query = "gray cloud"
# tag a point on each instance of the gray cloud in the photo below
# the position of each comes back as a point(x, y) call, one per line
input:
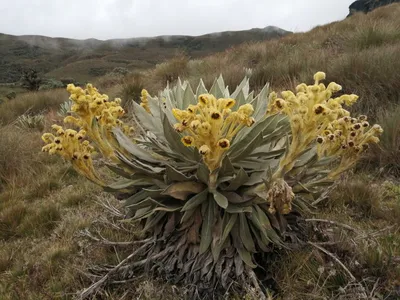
point(108, 19)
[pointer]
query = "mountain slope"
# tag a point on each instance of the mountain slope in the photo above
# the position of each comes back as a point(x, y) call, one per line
point(85, 59)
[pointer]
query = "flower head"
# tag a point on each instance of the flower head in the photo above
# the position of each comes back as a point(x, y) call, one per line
point(211, 124)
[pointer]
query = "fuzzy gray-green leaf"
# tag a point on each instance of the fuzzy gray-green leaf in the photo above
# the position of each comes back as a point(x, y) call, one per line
point(245, 234)
point(207, 227)
point(238, 181)
point(195, 201)
point(181, 190)
point(220, 199)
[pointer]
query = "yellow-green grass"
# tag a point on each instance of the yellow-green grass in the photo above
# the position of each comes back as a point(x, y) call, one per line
point(31, 103)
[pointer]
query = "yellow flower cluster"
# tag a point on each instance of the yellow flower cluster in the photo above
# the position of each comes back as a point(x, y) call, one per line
point(210, 126)
point(71, 145)
point(145, 101)
point(347, 138)
point(314, 113)
point(89, 104)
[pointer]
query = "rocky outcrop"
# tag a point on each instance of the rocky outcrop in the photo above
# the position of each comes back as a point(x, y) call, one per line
point(366, 6)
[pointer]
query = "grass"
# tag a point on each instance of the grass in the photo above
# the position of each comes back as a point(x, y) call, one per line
point(386, 155)
point(370, 254)
point(21, 167)
point(31, 103)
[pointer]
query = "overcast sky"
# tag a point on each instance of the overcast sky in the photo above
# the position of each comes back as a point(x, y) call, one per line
point(106, 19)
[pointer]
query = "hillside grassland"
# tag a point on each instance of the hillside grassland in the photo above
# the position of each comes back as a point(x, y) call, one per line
point(45, 206)
point(361, 52)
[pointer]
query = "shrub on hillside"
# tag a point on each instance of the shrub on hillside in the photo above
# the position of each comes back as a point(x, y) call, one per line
point(66, 81)
point(31, 80)
point(120, 71)
point(50, 83)
point(11, 95)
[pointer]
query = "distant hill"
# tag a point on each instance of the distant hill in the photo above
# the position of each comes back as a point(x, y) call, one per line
point(84, 59)
point(366, 6)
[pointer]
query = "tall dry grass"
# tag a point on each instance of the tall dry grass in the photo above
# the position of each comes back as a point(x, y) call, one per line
point(31, 103)
point(386, 154)
point(18, 159)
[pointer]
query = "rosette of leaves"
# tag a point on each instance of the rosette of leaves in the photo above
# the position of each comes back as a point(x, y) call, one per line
point(210, 234)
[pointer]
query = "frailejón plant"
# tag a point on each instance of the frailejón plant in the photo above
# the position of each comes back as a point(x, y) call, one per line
point(218, 179)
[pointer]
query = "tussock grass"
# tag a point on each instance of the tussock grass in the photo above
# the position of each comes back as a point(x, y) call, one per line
point(363, 199)
point(19, 160)
point(386, 154)
point(131, 89)
point(40, 222)
point(10, 218)
point(31, 103)
point(170, 71)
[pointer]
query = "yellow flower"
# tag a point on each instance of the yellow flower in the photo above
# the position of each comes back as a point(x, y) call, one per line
point(56, 127)
point(205, 128)
point(70, 87)
point(250, 122)
point(72, 120)
point(178, 114)
point(334, 87)
point(280, 104)
point(319, 76)
point(144, 93)
point(47, 137)
point(195, 124)
point(70, 132)
point(377, 129)
point(225, 103)
point(204, 99)
point(215, 115)
point(246, 109)
point(320, 109)
point(302, 88)
point(179, 127)
point(192, 109)
point(224, 144)
point(188, 140)
point(204, 150)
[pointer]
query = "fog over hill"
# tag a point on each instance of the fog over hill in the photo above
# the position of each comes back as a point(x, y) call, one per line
point(85, 59)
